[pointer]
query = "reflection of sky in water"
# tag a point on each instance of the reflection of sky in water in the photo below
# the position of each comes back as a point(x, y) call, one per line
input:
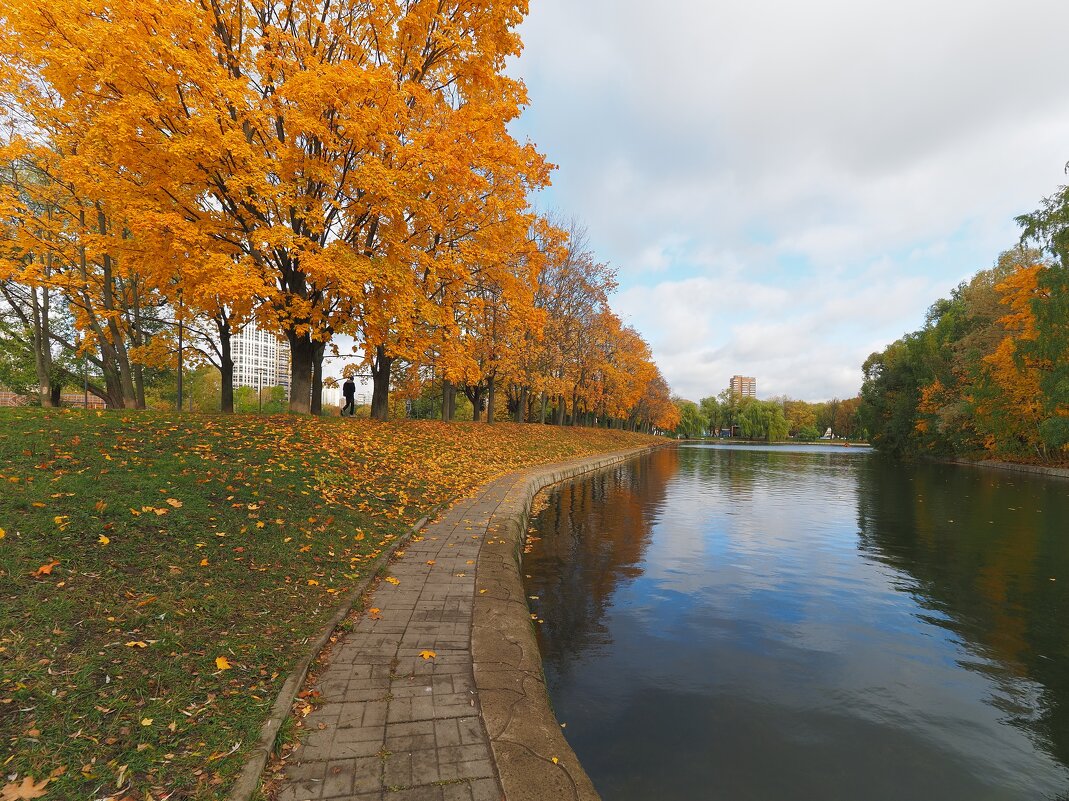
point(760, 655)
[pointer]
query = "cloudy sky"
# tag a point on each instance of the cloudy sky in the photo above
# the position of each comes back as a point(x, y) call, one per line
point(785, 186)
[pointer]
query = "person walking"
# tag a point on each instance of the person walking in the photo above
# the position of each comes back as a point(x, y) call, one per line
point(348, 390)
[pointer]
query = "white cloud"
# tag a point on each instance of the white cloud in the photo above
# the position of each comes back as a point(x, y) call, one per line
point(794, 183)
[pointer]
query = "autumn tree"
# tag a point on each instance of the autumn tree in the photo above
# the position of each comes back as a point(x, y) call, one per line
point(1048, 227)
point(322, 147)
point(61, 243)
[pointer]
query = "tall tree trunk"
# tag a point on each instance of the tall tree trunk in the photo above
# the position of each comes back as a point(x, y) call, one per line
point(319, 350)
point(118, 344)
point(491, 395)
point(42, 351)
point(300, 372)
point(380, 378)
point(521, 407)
point(226, 365)
point(475, 395)
point(558, 417)
point(542, 419)
point(449, 400)
point(139, 386)
point(138, 339)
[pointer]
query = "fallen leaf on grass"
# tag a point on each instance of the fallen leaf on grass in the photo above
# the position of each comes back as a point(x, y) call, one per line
point(45, 569)
point(28, 789)
point(136, 644)
point(103, 540)
point(177, 504)
point(222, 663)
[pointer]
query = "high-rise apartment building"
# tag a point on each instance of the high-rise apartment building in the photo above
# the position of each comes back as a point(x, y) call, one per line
point(260, 359)
point(744, 386)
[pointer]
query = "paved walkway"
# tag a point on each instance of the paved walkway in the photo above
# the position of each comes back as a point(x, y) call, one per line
point(402, 719)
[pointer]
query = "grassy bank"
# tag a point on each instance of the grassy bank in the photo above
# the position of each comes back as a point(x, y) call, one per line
point(160, 574)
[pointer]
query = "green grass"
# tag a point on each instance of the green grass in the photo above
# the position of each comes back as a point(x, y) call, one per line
point(177, 540)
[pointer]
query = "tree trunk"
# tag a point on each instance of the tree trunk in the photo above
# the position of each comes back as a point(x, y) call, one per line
point(300, 372)
point(138, 339)
point(449, 401)
point(521, 407)
point(42, 351)
point(56, 394)
point(380, 378)
point(543, 416)
point(319, 350)
point(139, 386)
point(115, 336)
point(226, 366)
point(491, 394)
point(558, 417)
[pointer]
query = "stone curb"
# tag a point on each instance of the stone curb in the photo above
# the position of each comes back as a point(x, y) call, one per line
point(533, 759)
point(1013, 467)
point(249, 780)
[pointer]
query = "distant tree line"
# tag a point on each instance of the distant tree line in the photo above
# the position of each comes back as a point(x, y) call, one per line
point(988, 374)
point(773, 420)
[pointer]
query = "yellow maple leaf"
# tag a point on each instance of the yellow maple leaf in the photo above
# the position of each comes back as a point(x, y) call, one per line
point(222, 663)
point(136, 644)
point(2, 533)
point(203, 562)
point(313, 583)
point(428, 654)
point(177, 504)
point(146, 721)
point(103, 540)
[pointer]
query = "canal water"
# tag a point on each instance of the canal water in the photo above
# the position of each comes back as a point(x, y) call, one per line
point(807, 624)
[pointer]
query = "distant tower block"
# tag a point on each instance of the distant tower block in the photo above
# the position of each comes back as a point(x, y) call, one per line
point(744, 386)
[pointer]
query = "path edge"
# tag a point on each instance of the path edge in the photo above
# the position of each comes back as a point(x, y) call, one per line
point(533, 759)
point(251, 777)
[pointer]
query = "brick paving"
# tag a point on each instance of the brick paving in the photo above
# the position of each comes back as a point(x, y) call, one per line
point(396, 725)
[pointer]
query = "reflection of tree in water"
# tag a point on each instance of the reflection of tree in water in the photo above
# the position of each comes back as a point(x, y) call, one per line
point(739, 473)
point(983, 548)
point(594, 533)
